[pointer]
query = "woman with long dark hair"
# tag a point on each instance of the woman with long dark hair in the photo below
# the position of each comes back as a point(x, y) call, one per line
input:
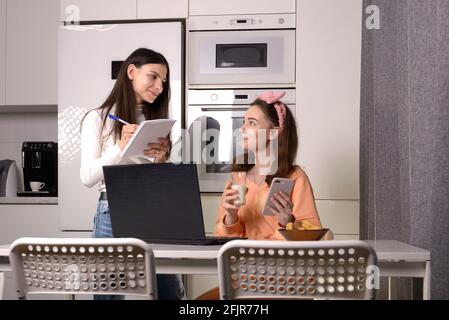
point(141, 92)
point(267, 115)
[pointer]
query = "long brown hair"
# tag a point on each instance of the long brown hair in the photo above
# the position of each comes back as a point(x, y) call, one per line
point(287, 142)
point(123, 97)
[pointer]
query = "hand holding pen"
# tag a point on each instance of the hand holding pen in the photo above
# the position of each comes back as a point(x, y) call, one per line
point(127, 130)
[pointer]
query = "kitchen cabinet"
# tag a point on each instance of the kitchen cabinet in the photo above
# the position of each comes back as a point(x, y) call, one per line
point(329, 148)
point(341, 216)
point(109, 10)
point(328, 95)
point(162, 9)
point(2, 50)
point(210, 7)
point(94, 10)
point(32, 220)
point(31, 52)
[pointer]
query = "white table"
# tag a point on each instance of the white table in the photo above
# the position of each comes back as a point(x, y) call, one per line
point(398, 259)
point(395, 259)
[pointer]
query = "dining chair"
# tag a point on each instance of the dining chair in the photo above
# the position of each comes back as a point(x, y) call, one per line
point(106, 266)
point(297, 270)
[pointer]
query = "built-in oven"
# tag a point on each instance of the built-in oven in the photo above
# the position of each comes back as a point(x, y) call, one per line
point(213, 118)
point(252, 50)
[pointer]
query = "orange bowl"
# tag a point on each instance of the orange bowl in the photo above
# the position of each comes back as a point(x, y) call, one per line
point(303, 235)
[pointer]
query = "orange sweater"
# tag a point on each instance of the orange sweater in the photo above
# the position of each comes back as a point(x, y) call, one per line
point(253, 225)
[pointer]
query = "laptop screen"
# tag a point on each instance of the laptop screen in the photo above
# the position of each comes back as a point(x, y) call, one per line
point(155, 201)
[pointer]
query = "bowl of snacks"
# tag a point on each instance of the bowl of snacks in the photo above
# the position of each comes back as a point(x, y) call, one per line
point(302, 231)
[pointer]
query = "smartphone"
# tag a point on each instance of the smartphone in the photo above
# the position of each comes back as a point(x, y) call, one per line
point(277, 185)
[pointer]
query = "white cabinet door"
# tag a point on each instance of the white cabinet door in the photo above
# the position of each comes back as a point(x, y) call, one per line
point(2, 51)
point(207, 7)
point(341, 216)
point(162, 9)
point(329, 147)
point(95, 10)
point(85, 58)
point(328, 95)
point(31, 51)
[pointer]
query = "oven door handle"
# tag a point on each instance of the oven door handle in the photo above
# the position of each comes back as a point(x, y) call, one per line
point(223, 109)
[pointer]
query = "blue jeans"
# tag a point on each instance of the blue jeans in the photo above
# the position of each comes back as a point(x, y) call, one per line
point(169, 287)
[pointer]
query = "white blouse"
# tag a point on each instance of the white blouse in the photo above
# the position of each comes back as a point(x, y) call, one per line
point(96, 153)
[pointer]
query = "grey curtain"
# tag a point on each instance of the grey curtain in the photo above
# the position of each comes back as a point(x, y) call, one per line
point(404, 143)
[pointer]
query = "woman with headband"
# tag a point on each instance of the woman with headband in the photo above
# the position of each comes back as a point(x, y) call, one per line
point(267, 122)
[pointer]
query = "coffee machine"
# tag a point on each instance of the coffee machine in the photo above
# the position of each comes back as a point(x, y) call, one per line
point(40, 163)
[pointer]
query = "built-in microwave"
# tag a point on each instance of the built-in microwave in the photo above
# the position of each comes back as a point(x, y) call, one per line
point(231, 50)
point(213, 118)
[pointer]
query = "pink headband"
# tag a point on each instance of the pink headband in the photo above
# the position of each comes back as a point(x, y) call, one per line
point(274, 98)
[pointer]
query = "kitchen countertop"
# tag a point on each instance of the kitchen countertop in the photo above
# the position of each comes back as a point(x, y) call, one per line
point(29, 200)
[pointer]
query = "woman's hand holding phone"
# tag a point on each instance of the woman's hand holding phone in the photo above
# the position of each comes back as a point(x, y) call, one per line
point(282, 208)
point(278, 201)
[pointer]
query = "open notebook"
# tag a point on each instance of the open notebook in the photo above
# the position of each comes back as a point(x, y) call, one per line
point(148, 132)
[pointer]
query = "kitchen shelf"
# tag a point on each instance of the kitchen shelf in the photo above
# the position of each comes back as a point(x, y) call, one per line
point(29, 200)
point(29, 109)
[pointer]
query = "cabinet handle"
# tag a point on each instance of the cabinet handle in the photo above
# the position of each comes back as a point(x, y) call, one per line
point(224, 109)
